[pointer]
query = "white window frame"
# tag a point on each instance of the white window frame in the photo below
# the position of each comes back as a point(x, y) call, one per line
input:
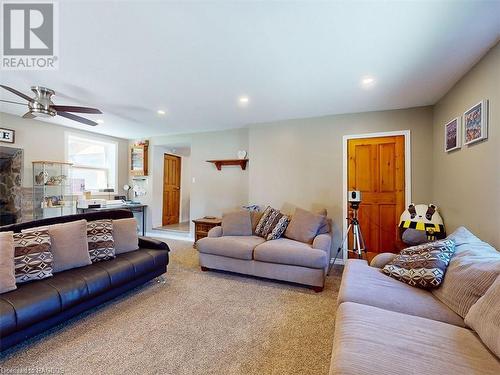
point(96, 139)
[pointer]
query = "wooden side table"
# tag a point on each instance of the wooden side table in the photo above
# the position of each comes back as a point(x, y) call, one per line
point(203, 225)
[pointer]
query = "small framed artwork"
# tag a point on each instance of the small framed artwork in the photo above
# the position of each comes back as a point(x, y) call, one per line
point(476, 123)
point(452, 134)
point(7, 135)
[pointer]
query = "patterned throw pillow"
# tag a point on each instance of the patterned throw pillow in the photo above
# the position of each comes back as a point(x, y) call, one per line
point(32, 256)
point(100, 239)
point(422, 266)
point(272, 224)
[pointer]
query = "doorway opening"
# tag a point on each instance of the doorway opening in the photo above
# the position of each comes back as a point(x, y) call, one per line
point(378, 165)
point(172, 216)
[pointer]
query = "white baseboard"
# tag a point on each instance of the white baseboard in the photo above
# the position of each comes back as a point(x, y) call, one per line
point(170, 235)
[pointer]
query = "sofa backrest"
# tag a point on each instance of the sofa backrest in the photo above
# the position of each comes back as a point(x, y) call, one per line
point(89, 216)
point(472, 270)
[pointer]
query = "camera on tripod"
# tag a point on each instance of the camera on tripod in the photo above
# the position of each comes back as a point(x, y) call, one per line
point(354, 198)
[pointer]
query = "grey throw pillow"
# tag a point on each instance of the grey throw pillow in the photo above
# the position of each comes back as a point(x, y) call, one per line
point(304, 226)
point(69, 245)
point(125, 235)
point(237, 223)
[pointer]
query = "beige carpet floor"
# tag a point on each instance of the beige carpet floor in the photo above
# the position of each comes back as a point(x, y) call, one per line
point(195, 323)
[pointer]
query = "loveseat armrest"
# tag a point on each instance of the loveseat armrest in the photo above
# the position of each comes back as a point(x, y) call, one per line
point(380, 260)
point(215, 232)
point(151, 243)
point(322, 242)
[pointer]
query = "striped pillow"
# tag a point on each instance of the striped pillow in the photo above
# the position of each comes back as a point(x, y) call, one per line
point(473, 269)
point(422, 266)
point(100, 239)
point(32, 256)
point(272, 224)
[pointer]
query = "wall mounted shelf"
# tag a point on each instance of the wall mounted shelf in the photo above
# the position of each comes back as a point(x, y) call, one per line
point(219, 163)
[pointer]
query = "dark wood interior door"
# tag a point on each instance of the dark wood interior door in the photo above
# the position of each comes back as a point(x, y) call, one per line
point(171, 189)
point(376, 167)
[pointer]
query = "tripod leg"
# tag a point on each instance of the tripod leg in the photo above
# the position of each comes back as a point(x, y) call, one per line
point(357, 244)
point(341, 246)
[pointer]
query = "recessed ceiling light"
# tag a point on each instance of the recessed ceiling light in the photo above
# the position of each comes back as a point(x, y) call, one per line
point(100, 121)
point(161, 112)
point(244, 99)
point(367, 82)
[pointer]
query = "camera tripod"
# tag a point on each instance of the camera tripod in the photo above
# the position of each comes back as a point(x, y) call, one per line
point(358, 245)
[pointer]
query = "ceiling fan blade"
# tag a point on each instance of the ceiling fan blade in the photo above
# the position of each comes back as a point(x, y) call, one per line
point(11, 102)
point(77, 118)
point(29, 115)
point(14, 91)
point(70, 108)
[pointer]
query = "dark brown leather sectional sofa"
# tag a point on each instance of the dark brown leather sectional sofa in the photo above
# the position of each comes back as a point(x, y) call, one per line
point(36, 306)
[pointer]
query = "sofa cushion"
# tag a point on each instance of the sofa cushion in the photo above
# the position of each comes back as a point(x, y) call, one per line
point(304, 226)
point(422, 266)
point(142, 261)
point(96, 279)
point(100, 238)
point(33, 302)
point(237, 223)
point(7, 273)
point(125, 235)
point(369, 340)
point(472, 270)
point(32, 256)
point(7, 317)
point(286, 251)
point(120, 270)
point(484, 317)
point(272, 224)
point(239, 247)
point(368, 285)
point(69, 245)
point(71, 289)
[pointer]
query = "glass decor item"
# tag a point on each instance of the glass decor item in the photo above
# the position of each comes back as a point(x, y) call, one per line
point(52, 190)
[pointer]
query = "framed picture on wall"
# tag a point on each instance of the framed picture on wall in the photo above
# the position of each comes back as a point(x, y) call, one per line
point(476, 123)
point(452, 134)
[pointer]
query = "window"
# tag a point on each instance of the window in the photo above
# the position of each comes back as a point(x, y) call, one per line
point(94, 163)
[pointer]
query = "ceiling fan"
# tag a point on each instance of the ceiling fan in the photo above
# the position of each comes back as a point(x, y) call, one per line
point(42, 106)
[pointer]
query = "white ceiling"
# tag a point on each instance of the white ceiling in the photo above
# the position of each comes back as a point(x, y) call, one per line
point(300, 59)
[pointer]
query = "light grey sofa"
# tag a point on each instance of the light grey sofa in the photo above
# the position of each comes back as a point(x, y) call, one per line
point(384, 326)
point(281, 259)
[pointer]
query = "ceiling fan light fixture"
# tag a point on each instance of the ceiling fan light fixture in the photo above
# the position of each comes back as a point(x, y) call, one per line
point(42, 106)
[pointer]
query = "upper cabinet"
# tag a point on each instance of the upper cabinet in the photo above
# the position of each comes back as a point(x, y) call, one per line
point(139, 159)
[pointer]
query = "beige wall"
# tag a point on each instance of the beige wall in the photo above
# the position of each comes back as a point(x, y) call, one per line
point(45, 141)
point(466, 183)
point(299, 162)
point(213, 191)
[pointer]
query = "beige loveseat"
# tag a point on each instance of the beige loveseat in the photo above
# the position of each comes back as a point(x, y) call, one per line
point(384, 326)
point(281, 259)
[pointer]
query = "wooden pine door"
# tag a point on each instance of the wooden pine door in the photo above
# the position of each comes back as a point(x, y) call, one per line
point(376, 168)
point(171, 189)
